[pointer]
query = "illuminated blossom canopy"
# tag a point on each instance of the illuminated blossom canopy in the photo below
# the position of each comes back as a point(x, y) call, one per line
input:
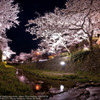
point(84, 17)
point(8, 18)
point(52, 29)
point(67, 27)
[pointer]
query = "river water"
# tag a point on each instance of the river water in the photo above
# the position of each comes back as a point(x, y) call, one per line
point(86, 91)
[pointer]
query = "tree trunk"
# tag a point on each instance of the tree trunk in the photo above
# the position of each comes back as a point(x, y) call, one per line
point(0, 55)
point(90, 43)
point(68, 50)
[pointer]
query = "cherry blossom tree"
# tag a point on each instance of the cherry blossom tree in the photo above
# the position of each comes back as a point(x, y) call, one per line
point(8, 18)
point(8, 15)
point(52, 29)
point(83, 17)
point(5, 48)
point(67, 27)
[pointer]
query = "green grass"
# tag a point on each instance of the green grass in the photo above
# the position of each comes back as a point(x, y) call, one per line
point(9, 66)
point(10, 85)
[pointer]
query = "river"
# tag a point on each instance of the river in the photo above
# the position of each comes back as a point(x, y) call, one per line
point(86, 91)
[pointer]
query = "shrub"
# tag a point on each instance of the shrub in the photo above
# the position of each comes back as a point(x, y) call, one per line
point(86, 61)
point(79, 56)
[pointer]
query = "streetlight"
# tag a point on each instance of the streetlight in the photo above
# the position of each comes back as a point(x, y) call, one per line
point(4, 58)
point(62, 63)
point(37, 53)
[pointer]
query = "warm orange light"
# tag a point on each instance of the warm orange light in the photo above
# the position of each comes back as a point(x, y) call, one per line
point(38, 53)
point(51, 57)
point(37, 87)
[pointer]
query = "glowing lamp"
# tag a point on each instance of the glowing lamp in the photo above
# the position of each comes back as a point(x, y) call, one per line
point(38, 53)
point(51, 57)
point(37, 87)
point(4, 58)
point(62, 63)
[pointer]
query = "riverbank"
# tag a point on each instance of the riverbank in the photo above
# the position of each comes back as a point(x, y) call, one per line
point(53, 80)
point(9, 84)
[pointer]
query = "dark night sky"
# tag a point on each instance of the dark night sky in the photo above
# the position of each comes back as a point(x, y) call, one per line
point(21, 40)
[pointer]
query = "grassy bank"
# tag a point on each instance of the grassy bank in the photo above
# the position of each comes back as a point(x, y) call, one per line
point(9, 84)
point(52, 78)
point(87, 61)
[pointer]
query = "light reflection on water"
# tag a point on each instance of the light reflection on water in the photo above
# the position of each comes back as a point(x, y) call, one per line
point(61, 88)
point(36, 86)
point(22, 78)
point(17, 72)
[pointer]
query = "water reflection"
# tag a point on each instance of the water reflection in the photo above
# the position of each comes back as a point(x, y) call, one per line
point(39, 87)
point(16, 71)
point(22, 78)
point(61, 88)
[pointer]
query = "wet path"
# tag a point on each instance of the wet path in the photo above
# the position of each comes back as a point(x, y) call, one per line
point(86, 91)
